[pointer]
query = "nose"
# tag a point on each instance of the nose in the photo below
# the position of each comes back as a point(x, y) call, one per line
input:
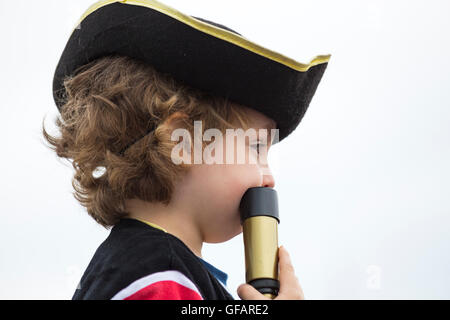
point(267, 178)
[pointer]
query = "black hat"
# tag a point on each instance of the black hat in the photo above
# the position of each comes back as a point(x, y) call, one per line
point(196, 52)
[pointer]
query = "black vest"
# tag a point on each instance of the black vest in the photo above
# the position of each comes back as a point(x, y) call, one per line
point(134, 250)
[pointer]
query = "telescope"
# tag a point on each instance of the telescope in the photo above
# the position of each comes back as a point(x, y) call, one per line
point(259, 218)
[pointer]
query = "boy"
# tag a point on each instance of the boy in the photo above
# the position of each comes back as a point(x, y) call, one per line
point(133, 74)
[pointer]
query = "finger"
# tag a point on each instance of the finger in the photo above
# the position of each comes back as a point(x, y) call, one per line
point(289, 284)
point(248, 292)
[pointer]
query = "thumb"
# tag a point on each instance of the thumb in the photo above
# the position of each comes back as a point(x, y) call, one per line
point(248, 292)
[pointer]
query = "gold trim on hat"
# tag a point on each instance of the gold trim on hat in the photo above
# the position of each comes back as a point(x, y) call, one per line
point(214, 31)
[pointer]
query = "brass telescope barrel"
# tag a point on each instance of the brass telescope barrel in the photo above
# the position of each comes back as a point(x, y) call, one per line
point(260, 218)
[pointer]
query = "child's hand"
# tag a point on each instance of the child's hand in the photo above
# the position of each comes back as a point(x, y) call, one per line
point(290, 288)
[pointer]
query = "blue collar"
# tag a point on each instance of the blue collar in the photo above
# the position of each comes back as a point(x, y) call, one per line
point(220, 275)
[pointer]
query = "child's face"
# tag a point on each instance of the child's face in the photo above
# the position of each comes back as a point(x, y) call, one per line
point(215, 190)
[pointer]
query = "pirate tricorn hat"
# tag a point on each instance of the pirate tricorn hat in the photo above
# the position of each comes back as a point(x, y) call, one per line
point(197, 52)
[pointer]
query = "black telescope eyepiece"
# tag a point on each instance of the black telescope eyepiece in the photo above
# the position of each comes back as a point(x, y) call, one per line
point(259, 201)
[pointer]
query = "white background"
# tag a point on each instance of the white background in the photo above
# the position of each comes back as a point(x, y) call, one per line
point(363, 183)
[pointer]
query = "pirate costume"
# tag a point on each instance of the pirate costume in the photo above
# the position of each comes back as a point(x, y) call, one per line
point(140, 260)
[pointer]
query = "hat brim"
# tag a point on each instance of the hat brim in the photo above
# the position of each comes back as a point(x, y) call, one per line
point(201, 54)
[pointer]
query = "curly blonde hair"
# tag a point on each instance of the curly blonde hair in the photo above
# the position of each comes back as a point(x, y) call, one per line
point(110, 107)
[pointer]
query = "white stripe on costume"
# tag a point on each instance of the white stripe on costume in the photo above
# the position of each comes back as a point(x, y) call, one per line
point(171, 275)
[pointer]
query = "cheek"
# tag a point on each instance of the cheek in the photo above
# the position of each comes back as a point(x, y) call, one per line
point(219, 195)
point(224, 217)
point(236, 180)
point(224, 185)
point(238, 176)
point(241, 177)
point(230, 180)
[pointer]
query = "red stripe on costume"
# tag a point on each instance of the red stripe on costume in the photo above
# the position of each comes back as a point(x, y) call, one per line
point(165, 290)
